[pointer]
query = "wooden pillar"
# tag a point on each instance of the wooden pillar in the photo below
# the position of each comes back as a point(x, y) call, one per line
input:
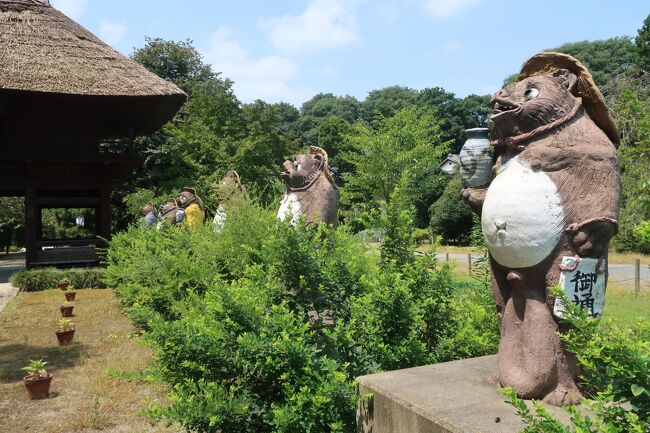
point(32, 224)
point(104, 216)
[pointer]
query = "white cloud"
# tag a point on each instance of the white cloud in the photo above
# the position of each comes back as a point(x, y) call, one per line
point(111, 32)
point(72, 8)
point(324, 24)
point(268, 78)
point(448, 8)
point(452, 47)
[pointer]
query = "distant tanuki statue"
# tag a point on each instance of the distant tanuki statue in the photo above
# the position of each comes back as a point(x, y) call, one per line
point(547, 217)
point(311, 191)
point(148, 213)
point(171, 213)
point(192, 205)
point(227, 190)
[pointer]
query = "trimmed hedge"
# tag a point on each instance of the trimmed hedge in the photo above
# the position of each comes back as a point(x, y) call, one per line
point(35, 280)
point(263, 327)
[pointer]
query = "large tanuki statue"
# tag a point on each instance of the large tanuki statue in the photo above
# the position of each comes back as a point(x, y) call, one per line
point(311, 191)
point(547, 217)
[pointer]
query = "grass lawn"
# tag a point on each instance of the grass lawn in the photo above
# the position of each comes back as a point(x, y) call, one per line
point(625, 308)
point(83, 397)
point(614, 257)
point(622, 305)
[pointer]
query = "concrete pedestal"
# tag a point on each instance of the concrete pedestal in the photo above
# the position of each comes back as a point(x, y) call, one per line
point(453, 397)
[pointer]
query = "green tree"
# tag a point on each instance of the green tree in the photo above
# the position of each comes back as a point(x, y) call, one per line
point(332, 133)
point(12, 222)
point(397, 224)
point(320, 108)
point(383, 103)
point(178, 62)
point(451, 217)
point(604, 58)
point(642, 43)
point(406, 141)
point(455, 115)
point(630, 103)
point(211, 134)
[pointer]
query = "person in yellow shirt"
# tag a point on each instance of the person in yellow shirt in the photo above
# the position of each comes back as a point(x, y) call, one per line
point(193, 206)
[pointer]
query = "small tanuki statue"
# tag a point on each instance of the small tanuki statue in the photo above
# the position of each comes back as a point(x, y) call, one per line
point(227, 190)
point(311, 191)
point(171, 213)
point(148, 213)
point(547, 217)
point(192, 205)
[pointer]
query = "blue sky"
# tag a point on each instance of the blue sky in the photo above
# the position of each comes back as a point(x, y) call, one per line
point(289, 50)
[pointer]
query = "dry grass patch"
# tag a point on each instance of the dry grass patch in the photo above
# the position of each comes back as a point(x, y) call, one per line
point(84, 398)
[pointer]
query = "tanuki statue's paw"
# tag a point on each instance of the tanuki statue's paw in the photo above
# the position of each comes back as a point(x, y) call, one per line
point(564, 396)
point(474, 198)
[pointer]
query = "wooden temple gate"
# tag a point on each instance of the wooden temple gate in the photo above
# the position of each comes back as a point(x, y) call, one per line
point(68, 103)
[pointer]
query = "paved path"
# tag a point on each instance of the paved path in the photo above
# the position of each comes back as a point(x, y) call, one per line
point(618, 273)
point(8, 265)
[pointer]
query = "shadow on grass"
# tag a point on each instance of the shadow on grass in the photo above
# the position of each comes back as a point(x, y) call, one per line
point(13, 357)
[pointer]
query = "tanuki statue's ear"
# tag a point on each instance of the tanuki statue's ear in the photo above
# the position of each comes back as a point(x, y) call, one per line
point(568, 78)
point(319, 160)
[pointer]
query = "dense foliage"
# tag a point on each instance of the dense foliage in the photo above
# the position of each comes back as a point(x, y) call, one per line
point(616, 368)
point(451, 218)
point(34, 280)
point(214, 133)
point(630, 101)
point(12, 222)
point(263, 327)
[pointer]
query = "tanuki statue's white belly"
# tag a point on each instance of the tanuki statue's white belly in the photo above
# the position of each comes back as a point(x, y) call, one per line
point(522, 217)
point(290, 209)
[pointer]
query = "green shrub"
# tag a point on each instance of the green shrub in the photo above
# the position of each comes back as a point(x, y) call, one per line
point(34, 280)
point(264, 326)
point(451, 217)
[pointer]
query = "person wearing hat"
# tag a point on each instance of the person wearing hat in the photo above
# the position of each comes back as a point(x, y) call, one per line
point(192, 205)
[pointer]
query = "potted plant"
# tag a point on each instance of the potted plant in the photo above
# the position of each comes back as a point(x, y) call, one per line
point(65, 334)
point(37, 380)
point(70, 294)
point(66, 309)
point(63, 283)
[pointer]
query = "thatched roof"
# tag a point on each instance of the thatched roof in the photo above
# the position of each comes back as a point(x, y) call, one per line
point(42, 50)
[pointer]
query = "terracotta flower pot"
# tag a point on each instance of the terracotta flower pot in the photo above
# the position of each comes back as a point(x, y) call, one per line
point(63, 286)
point(65, 337)
point(37, 387)
point(66, 310)
point(69, 296)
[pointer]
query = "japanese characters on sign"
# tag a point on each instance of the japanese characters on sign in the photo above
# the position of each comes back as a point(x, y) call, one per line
point(583, 286)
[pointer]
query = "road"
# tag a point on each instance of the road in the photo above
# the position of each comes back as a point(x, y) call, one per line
point(620, 274)
point(8, 265)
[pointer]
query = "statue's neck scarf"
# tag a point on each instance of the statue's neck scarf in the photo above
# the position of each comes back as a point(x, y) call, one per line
point(305, 182)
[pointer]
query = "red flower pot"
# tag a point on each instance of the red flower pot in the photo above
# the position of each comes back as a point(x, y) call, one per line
point(37, 387)
point(63, 286)
point(69, 296)
point(65, 337)
point(66, 310)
